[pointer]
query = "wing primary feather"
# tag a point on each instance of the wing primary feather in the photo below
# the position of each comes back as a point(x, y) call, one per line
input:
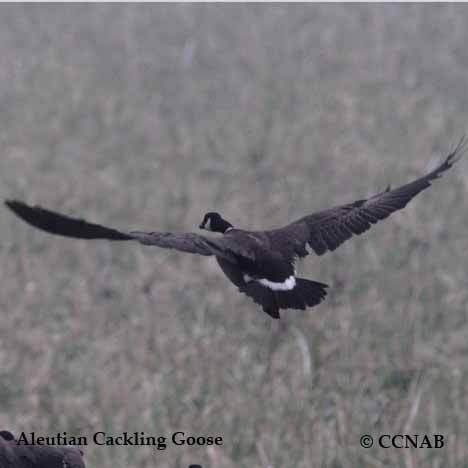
point(58, 224)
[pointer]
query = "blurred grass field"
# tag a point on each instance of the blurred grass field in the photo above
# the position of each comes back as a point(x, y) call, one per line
point(146, 117)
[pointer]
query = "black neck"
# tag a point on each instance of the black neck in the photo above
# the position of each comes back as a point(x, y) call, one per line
point(225, 226)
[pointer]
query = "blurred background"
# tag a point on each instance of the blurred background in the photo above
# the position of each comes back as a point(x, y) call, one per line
point(148, 116)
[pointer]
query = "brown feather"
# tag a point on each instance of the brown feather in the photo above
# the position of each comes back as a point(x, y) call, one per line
point(326, 230)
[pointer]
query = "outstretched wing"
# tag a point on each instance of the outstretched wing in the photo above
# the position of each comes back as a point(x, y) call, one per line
point(56, 223)
point(328, 229)
point(61, 225)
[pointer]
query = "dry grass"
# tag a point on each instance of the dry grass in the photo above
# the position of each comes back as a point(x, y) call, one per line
point(148, 116)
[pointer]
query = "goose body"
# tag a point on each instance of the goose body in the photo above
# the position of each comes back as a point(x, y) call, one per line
point(260, 263)
point(15, 454)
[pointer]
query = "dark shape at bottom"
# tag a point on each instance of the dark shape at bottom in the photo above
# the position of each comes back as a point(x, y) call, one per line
point(13, 455)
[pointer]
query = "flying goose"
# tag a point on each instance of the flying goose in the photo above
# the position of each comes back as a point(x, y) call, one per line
point(259, 263)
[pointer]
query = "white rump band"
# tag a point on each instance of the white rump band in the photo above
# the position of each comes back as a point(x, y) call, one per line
point(286, 285)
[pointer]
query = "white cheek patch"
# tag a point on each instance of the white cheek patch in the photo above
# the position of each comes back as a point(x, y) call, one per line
point(208, 225)
point(286, 285)
point(247, 278)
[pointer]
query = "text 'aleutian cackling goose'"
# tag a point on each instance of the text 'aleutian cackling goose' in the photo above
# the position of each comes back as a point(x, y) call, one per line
point(259, 263)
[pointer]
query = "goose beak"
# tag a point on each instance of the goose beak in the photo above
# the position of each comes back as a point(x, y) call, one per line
point(201, 226)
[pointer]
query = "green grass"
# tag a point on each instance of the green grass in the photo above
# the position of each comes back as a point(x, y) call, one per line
point(149, 116)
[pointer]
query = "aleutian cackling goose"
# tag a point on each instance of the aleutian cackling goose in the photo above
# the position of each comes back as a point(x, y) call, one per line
point(15, 454)
point(259, 263)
